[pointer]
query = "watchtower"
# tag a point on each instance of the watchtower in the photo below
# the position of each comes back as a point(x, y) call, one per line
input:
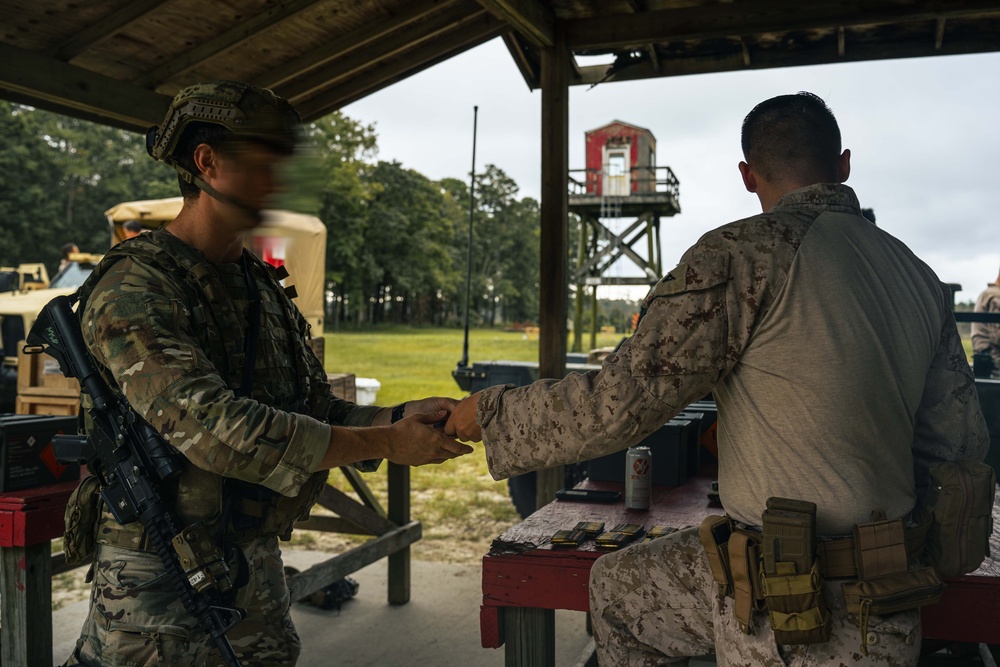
point(620, 182)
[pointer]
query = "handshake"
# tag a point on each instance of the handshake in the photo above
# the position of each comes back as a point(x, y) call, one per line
point(418, 439)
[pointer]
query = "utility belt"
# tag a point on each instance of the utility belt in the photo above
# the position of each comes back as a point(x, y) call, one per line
point(782, 569)
point(249, 512)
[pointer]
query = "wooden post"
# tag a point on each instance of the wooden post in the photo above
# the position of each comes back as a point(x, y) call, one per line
point(554, 274)
point(399, 513)
point(26, 592)
point(530, 637)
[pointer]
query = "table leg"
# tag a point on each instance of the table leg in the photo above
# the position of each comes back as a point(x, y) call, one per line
point(399, 514)
point(529, 637)
point(26, 596)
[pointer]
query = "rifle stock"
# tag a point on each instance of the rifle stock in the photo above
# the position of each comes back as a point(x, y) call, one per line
point(131, 459)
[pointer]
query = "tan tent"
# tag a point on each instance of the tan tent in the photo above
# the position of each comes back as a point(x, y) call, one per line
point(294, 240)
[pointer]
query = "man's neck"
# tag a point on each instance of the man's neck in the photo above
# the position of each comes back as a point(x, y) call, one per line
point(204, 225)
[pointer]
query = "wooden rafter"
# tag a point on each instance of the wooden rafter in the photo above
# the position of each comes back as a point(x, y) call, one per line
point(102, 30)
point(484, 28)
point(529, 69)
point(69, 89)
point(392, 45)
point(227, 40)
point(721, 21)
point(529, 17)
point(340, 46)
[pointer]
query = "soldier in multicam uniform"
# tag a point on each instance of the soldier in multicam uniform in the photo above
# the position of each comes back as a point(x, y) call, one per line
point(839, 375)
point(201, 338)
point(986, 336)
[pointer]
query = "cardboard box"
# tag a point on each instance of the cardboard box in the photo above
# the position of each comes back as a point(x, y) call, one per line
point(26, 457)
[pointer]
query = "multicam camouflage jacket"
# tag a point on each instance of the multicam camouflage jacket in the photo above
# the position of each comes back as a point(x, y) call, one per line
point(168, 329)
point(830, 349)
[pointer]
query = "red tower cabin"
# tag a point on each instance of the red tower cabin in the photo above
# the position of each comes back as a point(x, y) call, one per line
point(621, 160)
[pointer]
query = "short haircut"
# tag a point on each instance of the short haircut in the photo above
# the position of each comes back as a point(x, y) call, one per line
point(194, 135)
point(133, 226)
point(792, 137)
point(66, 248)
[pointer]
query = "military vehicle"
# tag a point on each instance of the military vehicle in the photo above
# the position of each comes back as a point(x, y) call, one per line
point(294, 240)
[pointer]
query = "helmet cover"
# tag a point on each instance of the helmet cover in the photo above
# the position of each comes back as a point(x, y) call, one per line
point(249, 112)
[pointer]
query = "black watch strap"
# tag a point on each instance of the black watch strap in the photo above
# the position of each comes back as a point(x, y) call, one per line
point(397, 412)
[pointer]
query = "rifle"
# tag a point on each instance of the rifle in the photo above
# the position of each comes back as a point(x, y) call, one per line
point(131, 460)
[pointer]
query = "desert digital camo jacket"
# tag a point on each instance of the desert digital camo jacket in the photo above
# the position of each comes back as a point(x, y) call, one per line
point(986, 336)
point(831, 351)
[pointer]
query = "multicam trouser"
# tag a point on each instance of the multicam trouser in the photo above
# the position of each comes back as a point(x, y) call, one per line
point(657, 604)
point(136, 618)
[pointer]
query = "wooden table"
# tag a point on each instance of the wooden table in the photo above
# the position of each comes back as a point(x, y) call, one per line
point(29, 521)
point(525, 579)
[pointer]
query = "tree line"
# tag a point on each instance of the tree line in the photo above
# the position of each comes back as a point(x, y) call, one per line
point(396, 241)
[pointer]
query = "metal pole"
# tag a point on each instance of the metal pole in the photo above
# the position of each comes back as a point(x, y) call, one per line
point(468, 265)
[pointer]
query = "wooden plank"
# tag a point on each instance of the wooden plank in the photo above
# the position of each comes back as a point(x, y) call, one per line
point(364, 492)
point(340, 46)
point(726, 20)
point(197, 55)
point(59, 564)
point(338, 567)
point(72, 89)
point(490, 626)
point(530, 637)
point(389, 47)
point(554, 271)
point(411, 62)
point(102, 30)
point(968, 611)
point(399, 513)
point(331, 524)
point(350, 509)
point(529, 17)
point(544, 582)
point(528, 68)
point(26, 599)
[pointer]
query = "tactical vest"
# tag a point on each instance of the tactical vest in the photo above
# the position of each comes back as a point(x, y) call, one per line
point(217, 298)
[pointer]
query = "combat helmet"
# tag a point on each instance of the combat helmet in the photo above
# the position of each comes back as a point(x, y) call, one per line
point(249, 112)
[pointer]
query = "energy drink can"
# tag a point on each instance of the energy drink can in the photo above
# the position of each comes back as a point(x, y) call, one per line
point(638, 478)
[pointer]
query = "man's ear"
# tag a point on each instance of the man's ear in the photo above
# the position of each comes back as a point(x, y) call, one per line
point(749, 178)
point(844, 166)
point(204, 160)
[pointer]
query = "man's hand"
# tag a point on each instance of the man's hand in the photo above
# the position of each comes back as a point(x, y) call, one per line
point(415, 442)
point(462, 422)
point(432, 404)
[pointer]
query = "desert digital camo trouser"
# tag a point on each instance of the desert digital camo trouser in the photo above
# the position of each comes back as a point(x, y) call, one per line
point(657, 604)
point(136, 618)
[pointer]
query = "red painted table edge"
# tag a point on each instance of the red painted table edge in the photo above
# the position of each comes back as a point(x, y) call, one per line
point(34, 516)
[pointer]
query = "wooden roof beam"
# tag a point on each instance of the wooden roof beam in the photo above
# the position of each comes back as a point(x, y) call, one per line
point(486, 27)
point(529, 70)
point(227, 40)
point(389, 46)
point(720, 21)
point(76, 91)
point(103, 30)
point(529, 17)
point(356, 39)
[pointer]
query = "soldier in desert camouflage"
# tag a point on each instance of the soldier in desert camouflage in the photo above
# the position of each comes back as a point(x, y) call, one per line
point(200, 337)
point(839, 375)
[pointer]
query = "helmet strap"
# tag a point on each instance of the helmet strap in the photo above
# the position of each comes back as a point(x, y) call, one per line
point(215, 194)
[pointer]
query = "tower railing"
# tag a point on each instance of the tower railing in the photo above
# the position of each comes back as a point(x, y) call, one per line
point(642, 180)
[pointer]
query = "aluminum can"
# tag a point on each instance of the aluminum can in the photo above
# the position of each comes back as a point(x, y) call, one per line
point(638, 478)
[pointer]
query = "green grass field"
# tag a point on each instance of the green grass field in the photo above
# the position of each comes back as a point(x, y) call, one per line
point(461, 506)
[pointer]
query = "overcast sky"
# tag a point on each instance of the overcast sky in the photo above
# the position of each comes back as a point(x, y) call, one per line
point(922, 133)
